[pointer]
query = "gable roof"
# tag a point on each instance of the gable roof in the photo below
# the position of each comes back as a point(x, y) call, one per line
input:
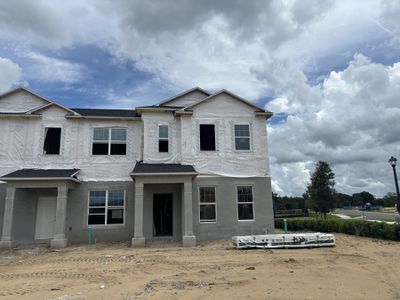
point(34, 110)
point(230, 94)
point(24, 89)
point(196, 88)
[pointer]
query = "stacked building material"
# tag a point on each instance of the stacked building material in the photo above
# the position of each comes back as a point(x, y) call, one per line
point(296, 240)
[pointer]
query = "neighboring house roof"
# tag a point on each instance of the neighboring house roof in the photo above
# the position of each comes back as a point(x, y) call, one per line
point(154, 169)
point(42, 174)
point(257, 108)
point(163, 103)
point(99, 112)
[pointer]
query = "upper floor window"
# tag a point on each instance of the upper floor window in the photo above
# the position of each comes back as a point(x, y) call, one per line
point(109, 141)
point(242, 137)
point(207, 204)
point(52, 140)
point(207, 137)
point(106, 207)
point(163, 138)
point(245, 203)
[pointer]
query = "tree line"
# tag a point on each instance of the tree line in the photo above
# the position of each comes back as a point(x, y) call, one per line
point(322, 197)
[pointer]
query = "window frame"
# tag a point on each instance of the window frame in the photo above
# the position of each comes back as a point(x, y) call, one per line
point(44, 140)
point(163, 139)
point(237, 202)
point(106, 208)
point(110, 141)
point(214, 203)
point(249, 137)
point(215, 137)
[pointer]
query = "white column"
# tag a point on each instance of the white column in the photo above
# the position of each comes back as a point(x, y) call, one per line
point(6, 237)
point(138, 239)
point(59, 240)
point(188, 239)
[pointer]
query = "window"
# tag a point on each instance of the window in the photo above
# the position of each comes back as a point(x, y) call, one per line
point(242, 137)
point(109, 141)
point(245, 203)
point(52, 140)
point(207, 137)
point(207, 204)
point(163, 138)
point(106, 207)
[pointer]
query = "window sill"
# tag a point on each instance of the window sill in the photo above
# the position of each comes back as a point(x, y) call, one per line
point(110, 226)
point(246, 220)
point(107, 155)
point(208, 222)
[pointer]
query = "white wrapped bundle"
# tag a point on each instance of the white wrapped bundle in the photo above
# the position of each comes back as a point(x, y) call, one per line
point(296, 240)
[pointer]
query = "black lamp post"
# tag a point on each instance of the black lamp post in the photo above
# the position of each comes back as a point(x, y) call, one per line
point(392, 162)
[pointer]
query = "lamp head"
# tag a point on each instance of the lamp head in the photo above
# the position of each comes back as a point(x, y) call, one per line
point(393, 161)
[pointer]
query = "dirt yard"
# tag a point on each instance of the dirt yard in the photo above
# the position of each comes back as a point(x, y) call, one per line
point(357, 268)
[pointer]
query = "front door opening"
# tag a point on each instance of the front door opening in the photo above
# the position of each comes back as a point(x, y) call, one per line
point(162, 214)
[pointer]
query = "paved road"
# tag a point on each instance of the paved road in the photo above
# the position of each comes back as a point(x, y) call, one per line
point(369, 215)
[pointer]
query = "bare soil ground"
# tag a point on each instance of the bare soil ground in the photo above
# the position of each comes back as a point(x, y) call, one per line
point(357, 268)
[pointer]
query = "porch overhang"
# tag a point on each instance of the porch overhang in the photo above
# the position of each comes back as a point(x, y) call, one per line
point(42, 175)
point(149, 170)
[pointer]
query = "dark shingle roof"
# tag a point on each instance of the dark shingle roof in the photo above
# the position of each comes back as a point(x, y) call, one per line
point(162, 168)
point(96, 112)
point(41, 173)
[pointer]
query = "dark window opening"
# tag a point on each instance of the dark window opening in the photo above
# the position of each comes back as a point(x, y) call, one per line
point(52, 141)
point(118, 149)
point(96, 219)
point(115, 216)
point(207, 137)
point(163, 146)
point(100, 149)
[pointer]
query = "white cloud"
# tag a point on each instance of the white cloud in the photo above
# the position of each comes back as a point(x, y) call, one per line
point(51, 69)
point(10, 73)
point(355, 127)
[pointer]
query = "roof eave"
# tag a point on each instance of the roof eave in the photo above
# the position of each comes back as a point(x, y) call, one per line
point(266, 114)
point(38, 179)
point(165, 174)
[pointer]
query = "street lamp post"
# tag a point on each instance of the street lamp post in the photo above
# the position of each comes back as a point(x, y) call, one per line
point(392, 162)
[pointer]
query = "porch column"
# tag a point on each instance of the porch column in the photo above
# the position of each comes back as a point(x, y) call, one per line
point(6, 241)
point(188, 239)
point(138, 239)
point(59, 240)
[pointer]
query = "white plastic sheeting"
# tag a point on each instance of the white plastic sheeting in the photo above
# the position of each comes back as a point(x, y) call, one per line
point(21, 146)
point(20, 101)
point(224, 112)
point(297, 240)
point(21, 140)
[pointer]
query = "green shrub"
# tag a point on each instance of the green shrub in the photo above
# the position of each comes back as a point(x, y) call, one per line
point(379, 230)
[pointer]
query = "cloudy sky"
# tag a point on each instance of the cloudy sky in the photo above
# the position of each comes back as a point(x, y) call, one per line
point(329, 70)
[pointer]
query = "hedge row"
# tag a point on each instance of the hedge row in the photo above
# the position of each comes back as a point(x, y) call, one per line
point(377, 230)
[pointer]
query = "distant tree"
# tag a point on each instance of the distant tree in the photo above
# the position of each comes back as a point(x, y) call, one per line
point(360, 199)
point(320, 191)
point(389, 200)
point(342, 200)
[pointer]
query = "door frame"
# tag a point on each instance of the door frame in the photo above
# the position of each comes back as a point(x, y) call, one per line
point(171, 234)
